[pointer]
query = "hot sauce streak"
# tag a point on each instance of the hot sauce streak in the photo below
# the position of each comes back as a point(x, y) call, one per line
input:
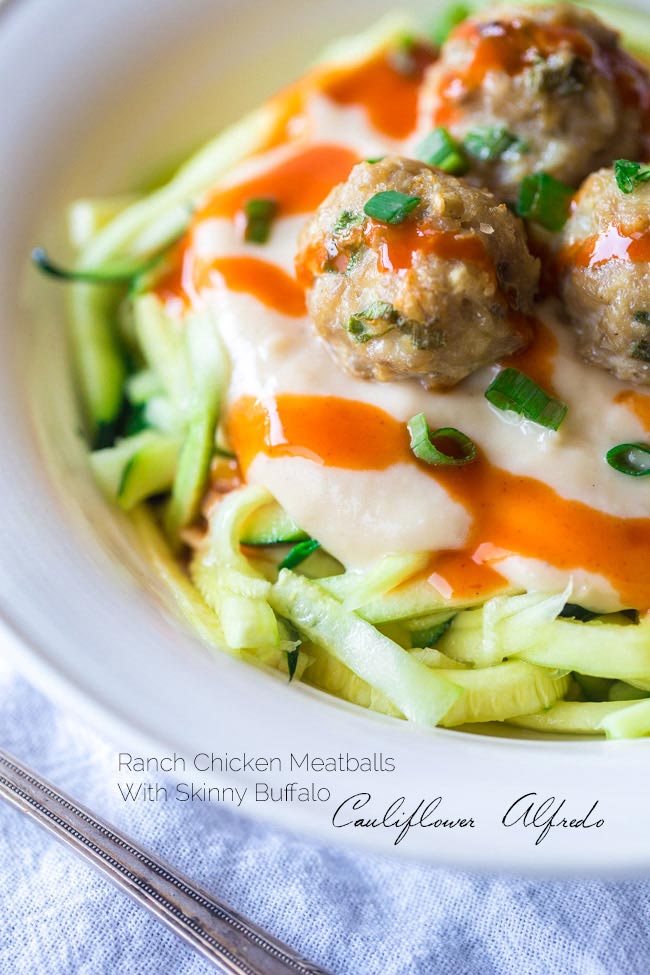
point(398, 246)
point(509, 47)
point(614, 244)
point(513, 46)
point(513, 514)
point(265, 281)
point(638, 403)
point(386, 86)
point(537, 361)
point(299, 184)
point(460, 574)
point(388, 94)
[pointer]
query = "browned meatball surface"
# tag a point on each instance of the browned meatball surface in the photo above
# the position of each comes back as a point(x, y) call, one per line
point(605, 275)
point(556, 83)
point(433, 297)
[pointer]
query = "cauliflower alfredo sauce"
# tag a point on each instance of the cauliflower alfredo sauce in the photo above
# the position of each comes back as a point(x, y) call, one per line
point(380, 405)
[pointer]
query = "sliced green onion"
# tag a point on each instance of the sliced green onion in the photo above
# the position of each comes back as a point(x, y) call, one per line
point(299, 553)
point(422, 334)
point(345, 220)
point(545, 200)
point(379, 309)
point(260, 214)
point(390, 206)
point(630, 174)
point(360, 331)
point(358, 324)
point(448, 19)
point(375, 159)
point(353, 259)
point(440, 149)
point(632, 459)
point(512, 390)
point(490, 143)
point(111, 274)
point(641, 348)
point(423, 443)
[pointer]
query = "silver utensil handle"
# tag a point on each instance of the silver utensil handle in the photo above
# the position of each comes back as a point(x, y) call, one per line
point(233, 944)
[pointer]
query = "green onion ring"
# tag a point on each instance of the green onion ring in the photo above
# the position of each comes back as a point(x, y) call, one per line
point(424, 448)
point(632, 459)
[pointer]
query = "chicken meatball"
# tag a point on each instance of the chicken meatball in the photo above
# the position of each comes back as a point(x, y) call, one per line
point(537, 89)
point(605, 272)
point(411, 273)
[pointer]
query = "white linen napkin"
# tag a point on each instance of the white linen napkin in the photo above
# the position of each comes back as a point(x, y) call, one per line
point(352, 914)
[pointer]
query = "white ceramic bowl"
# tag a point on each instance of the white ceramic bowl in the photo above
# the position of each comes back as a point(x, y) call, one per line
point(95, 96)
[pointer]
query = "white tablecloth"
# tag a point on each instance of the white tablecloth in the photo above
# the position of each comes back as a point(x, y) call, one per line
point(351, 914)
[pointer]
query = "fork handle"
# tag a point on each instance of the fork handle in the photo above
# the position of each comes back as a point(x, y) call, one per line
point(232, 943)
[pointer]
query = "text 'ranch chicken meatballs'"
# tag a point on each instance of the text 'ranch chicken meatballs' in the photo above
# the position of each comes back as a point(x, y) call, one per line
point(604, 265)
point(411, 273)
point(549, 86)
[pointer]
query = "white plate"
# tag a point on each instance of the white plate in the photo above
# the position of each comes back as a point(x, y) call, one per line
point(95, 95)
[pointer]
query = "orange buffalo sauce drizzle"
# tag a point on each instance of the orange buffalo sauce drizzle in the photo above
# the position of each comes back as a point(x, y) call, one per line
point(537, 360)
point(614, 244)
point(505, 46)
point(386, 85)
point(267, 282)
point(462, 575)
point(182, 286)
point(290, 121)
point(396, 248)
point(388, 94)
point(510, 513)
point(638, 403)
point(513, 46)
point(298, 184)
point(398, 245)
